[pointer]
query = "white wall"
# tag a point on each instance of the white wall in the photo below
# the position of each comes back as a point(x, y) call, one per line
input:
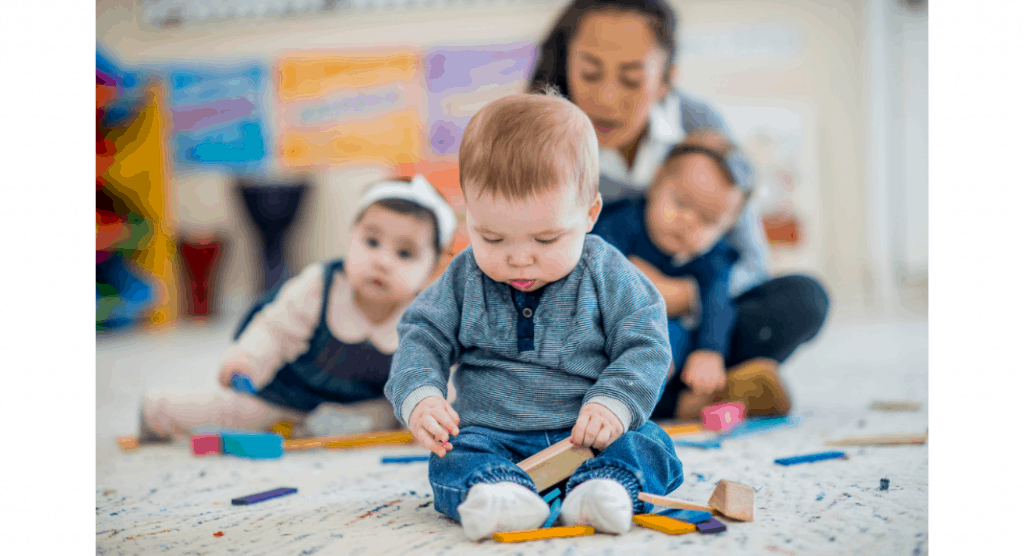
point(821, 72)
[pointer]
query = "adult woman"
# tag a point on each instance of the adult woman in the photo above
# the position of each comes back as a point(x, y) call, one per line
point(614, 59)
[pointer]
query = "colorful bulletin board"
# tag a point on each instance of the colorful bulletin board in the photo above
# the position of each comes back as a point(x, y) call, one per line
point(461, 80)
point(341, 108)
point(217, 116)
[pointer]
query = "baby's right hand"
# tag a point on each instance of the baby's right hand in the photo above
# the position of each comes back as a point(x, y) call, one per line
point(431, 421)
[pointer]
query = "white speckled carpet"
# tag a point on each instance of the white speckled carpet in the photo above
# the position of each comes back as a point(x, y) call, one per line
point(164, 500)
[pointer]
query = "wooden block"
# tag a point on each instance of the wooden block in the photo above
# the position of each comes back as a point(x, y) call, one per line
point(723, 416)
point(254, 498)
point(555, 463)
point(810, 458)
point(204, 444)
point(556, 508)
point(672, 502)
point(284, 428)
point(896, 405)
point(689, 516)
point(880, 440)
point(664, 524)
point(128, 443)
point(256, 445)
point(733, 500)
point(681, 429)
point(351, 440)
point(539, 534)
point(711, 526)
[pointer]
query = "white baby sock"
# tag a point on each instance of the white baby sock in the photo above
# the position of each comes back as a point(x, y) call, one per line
point(603, 504)
point(490, 508)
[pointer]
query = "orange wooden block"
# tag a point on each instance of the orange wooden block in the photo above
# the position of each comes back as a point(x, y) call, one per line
point(681, 429)
point(664, 524)
point(128, 443)
point(540, 534)
point(350, 440)
point(555, 463)
point(672, 502)
point(733, 500)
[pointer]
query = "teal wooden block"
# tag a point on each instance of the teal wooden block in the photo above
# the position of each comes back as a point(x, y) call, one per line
point(689, 516)
point(256, 445)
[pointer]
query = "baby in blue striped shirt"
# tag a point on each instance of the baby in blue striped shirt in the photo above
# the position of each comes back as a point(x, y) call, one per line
point(555, 333)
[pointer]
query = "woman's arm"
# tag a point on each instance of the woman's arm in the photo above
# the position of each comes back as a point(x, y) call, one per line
point(679, 293)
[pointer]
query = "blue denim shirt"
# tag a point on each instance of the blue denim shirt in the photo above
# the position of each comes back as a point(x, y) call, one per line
point(623, 224)
point(597, 335)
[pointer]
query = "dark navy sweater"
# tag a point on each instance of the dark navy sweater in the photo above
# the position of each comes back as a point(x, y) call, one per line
point(623, 224)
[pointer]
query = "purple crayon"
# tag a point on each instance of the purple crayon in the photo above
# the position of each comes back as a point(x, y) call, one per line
point(254, 498)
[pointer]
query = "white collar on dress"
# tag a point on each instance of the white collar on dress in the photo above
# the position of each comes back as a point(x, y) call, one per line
point(664, 131)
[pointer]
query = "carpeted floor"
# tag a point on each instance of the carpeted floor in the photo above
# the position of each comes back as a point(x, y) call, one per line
point(164, 500)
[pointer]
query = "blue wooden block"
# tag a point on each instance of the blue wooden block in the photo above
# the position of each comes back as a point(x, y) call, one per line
point(257, 445)
point(254, 498)
point(405, 459)
point(711, 526)
point(556, 509)
point(752, 427)
point(810, 457)
point(706, 444)
point(689, 516)
point(552, 495)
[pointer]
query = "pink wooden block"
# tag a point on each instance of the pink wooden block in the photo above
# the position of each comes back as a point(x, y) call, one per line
point(723, 416)
point(204, 444)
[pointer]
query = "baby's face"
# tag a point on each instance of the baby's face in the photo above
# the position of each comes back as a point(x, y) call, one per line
point(529, 243)
point(391, 255)
point(691, 206)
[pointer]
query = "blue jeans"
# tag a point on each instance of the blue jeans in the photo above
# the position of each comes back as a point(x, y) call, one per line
point(643, 460)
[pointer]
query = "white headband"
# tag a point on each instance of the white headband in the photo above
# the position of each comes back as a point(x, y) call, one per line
point(417, 191)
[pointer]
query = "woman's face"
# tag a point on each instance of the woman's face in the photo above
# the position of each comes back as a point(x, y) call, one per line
point(616, 72)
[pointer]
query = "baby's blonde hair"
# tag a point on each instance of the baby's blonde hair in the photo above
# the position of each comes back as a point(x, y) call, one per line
point(523, 145)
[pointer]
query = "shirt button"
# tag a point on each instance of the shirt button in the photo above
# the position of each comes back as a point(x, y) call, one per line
point(527, 312)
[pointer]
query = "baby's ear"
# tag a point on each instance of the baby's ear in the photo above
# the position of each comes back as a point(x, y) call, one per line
point(594, 212)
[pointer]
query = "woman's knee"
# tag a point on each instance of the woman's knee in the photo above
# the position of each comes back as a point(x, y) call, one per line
point(813, 300)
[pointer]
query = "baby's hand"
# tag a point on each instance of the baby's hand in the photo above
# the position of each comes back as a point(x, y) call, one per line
point(232, 368)
point(596, 427)
point(432, 420)
point(704, 372)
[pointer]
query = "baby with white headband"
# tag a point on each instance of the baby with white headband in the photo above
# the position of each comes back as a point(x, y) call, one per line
point(319, 347)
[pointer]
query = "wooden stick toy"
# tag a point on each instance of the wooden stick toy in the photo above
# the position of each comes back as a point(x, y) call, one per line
point(681, 429)
point(254, 498)
point(880, 440)
point(808, 458)
point(672, 502)
point(896, 405)
point(350, 440)
point(555, 463)
point(538, 534)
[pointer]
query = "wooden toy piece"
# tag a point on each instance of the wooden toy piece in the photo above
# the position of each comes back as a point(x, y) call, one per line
point(405, 459)
point(711, 526)
point(880, 440)
point(254, 498)
point(204, 444)
point(734, 500)
point(723, 416)
point(752, 427)
point(256, 445)
point(664, 524)
point(808, 458)
point(682, 429)
point(883, 484)
point(350, 440)
point(128, 443)
point(552, 495)
point(555, 463)
point(243, 384)
point(706, 445)
point(540, 534)
point(672, 502)
point(284, 428)
point(896, 405)
point(689, 516)
point(556, 508)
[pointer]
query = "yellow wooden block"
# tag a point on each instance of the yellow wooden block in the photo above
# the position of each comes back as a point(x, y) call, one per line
point(540, 534)
point(682, 429)
point(664, 524)
point(128, 443)
point(283, 428)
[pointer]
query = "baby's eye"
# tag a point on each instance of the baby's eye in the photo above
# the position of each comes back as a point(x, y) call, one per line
point(591, 77)
point(372, 242)
point(547, 241)
point(492, 241)
point(406, 254)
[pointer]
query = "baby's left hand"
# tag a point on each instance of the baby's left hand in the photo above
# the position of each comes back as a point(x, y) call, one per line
point(596, 427)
